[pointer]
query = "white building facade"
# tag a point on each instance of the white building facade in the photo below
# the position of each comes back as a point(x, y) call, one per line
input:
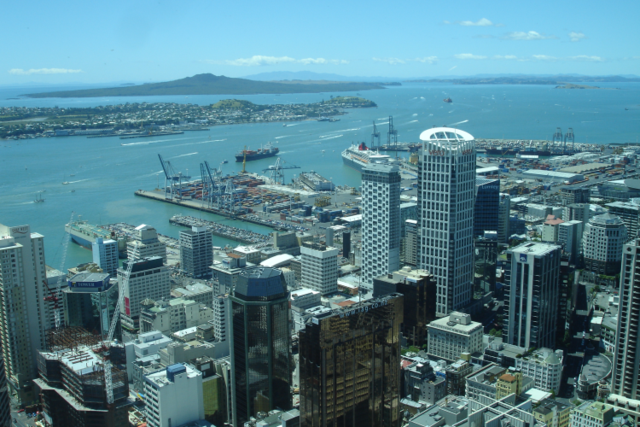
point(380, 221)
point(105, 254)
point(446, 199)
point(545, 367)
point(146, 244)
point(453, 335)
point(23, 313)
point(319, 268)
point(604, 236)
point(174, 396)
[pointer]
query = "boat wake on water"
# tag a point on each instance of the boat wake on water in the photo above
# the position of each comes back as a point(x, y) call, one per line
point(458, 123)
point(154, 141)
point(82, 180)
point(183, 155)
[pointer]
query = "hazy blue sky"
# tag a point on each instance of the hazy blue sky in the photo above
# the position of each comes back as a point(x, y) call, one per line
point(85, 41)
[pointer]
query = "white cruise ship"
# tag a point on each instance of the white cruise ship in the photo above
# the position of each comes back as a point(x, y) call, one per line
point(359, 155)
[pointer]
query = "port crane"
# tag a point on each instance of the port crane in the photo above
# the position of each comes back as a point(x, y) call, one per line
point(557, 137)
point(392, 136)
point(172, 180)
point(375, 135)
point(276, 173)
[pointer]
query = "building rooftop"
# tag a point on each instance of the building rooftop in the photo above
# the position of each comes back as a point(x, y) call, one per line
point(538, 249)
point(456, 322)
point(277, 261)
point(445, 134)
point(606, 219)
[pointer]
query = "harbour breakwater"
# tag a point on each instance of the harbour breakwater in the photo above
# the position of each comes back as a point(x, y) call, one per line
point(227, 231)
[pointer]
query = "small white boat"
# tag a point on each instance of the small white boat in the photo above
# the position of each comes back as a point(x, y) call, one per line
point(65, 183)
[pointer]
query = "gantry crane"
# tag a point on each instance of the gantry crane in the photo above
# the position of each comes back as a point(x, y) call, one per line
point(375, 135)
point(172, 180)
point(276, 171)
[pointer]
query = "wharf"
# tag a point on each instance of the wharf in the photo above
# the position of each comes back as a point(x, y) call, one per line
point(151, 135)
point(198, 204)
point(226, 231)
point(401, 146)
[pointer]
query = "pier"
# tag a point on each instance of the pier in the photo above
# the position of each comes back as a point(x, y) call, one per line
point(226, 231)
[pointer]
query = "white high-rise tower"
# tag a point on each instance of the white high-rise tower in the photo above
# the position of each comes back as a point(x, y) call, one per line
point(380, 221)
point(446, 198)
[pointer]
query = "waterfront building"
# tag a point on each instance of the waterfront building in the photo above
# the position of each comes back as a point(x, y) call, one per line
point(604, 236)
point(349, 365)
point(504, 212)
point(174, 396)
point(570, 238)
point(146, 244)
point(319, 267)
point(592, 414)
point(487, 206)
point(410, 242)
point(150, 278)
point(23, 314)
point(532, 292)
point(625, 379)
point(89, 301)
point(419, 290)
point(451, 336)
point(105, 255)
point(260, 343)
point(629, 213)
point(446, 199)
point(196, 252)
point(380, 221)
point(571, 195)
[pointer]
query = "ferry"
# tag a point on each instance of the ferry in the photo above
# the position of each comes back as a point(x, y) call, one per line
point(359, 155)
point(84, 234)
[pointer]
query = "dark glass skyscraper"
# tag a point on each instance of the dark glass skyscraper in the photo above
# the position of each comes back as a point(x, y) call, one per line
point(485, 217)
point(349, 361)
point(260, 356)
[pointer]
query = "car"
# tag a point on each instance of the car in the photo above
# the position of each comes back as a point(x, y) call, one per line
point(20, 410)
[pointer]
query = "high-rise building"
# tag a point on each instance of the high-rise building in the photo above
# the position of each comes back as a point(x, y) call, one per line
point(220, 317)
point(446, 199)
point(550, 229)
point(349, 361)
point(625, 379)
point(419, 290)
point(319, 268)
point(487, 205)
point(380, 221)
point(260, 343)
point(5, 406)
point(105, 255)
point(485, 257)
point(572, 195)
point(174, 396)
point(604, 236)
point(504, 213)
point(196, 252)
point(23, 314)
point(146, 244)
point(454, 335)
point(150, 278)
point(578, 212)
point(629, 213)
point(89, 301)
point(531, 296)
point(410, 242)
point(570, 238)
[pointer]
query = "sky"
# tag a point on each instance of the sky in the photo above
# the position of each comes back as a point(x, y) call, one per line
point(142, 41)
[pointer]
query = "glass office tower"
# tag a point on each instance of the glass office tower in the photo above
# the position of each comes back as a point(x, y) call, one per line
point(260, 350)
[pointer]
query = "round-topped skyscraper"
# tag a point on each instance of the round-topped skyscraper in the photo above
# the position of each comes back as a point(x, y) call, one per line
point(446, 198)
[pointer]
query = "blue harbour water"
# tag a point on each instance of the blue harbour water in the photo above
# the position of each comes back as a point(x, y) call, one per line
point(106, 173)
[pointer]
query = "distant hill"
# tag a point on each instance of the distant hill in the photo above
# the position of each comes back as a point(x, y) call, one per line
point(310, 75)
point(209, 84)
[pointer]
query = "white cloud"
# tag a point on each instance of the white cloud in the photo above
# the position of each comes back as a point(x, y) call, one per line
point(504, 57)
point(21, 72)
point(261, 60)
point(391, 61)
point(530, 35)
point(544, 58)
point(576, 37)
point(427, 59)
point(484, 22)
point(469, 56)
point(586, 58)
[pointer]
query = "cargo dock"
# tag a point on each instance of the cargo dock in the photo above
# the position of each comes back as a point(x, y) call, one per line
point(226, 231)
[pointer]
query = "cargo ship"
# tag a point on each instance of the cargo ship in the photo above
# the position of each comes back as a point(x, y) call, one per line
point(84, 234)
point(359, 155)
point(267, 151)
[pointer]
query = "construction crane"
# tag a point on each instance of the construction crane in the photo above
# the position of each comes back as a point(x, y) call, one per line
point(54, 296)
point(392, 136)
point(108, 380)
point(172, 180)
point(375, 135)
point(276, 173)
